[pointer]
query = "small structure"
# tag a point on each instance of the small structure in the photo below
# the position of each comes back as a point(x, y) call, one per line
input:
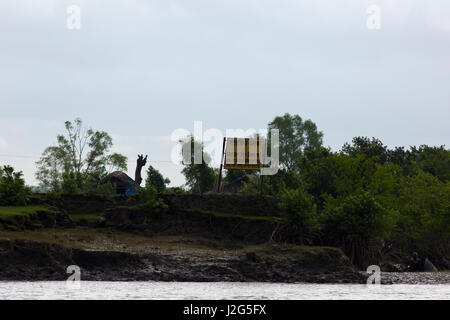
point(125, 185)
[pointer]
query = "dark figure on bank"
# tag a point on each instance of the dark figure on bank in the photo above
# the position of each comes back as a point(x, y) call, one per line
point(141, 161)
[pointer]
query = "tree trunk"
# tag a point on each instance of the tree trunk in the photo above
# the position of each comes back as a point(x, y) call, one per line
point(141, 161)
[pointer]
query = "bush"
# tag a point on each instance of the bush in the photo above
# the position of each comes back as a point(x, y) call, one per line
point(297, 205)
point(13, 191)
point(150, 202)
point(69, 184)
point(175, 190)
point(424, 223)
point(253, 186)
point(358, 223)
point(156, 179)
point(97, 183)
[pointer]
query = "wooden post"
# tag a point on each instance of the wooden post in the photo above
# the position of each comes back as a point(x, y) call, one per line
point(261, 185)
point(219, 181)
point(262, 163)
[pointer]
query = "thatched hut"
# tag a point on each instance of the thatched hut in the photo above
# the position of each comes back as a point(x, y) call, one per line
point(123, 182)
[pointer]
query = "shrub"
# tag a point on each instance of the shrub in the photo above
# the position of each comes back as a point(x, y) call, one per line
point(175, 190)
point(69, 184)
point(358, 223)
point(297, 205)
point(156, 179)
point(253, 186)
point(150, 202)
point(13, 191)
point(424, 222)
point(97, 183)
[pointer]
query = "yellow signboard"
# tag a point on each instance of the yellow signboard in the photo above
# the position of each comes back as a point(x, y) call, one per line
point(243, 153)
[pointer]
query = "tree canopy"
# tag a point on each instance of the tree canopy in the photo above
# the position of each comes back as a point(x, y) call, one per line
point(12, 187)
point(200, 177)
point(156, 179)
point(295, 136)
point(79, 154)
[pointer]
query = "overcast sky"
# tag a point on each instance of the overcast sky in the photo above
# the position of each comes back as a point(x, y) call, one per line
point(140, 69)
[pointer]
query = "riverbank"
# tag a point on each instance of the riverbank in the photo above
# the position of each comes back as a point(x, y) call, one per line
point(108, 255)
point(199, 238)
point(422, 278)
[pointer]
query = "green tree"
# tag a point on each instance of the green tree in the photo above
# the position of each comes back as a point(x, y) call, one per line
point(231, 175)
point(79, 153)
point(365, 146)
point(358, 223)
point(69, 183)
point(253, 186)
point(12, 187)
point(200, 177)
point(434, 160)
point(338, 174)
point(150, 201)
point(424, 223)
point(297, 205)
point(156, 179)
point(295, 135)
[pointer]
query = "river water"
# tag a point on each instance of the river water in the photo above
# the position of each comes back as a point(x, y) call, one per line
point(94, 290)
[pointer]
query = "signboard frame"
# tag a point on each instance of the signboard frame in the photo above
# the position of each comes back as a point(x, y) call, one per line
point(237, 163)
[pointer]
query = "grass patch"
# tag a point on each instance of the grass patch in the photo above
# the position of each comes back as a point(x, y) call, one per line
point(90, 218)
point(8, 213)
point(231, 215)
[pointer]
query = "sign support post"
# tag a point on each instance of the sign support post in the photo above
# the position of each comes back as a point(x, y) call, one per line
point(219, 181)
point(261, 185)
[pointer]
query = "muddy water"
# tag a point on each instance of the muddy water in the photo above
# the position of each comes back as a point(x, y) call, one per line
point(218, 290)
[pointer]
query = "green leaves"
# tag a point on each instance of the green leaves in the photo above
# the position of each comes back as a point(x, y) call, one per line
point(150, 202)
point(200, 177)
point(424, 224)
point(295, 136)
point(358, 217)
point(79, 155)
point(13, 191)
point(156, 179)
point(358, 224)
point(297, 205)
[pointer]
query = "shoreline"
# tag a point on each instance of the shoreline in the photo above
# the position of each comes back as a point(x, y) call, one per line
point(200, 239)
point(134, 258)
point(32, 260)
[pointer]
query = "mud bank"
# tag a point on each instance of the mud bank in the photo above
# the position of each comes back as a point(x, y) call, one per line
point(33, 261)
point(442, 277)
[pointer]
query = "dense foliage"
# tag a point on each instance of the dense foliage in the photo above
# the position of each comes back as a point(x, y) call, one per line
point(156, 179)
point(79, 162)
point(374, 202)
point(200, 177)
point(150, 201)
point(13, 191)
point(370, 200)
